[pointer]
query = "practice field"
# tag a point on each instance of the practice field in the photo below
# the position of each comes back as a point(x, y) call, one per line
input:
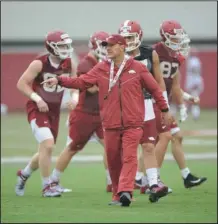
point(88, 200)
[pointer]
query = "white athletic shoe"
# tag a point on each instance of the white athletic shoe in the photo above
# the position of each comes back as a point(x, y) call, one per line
point(21, 181)
point(58, 187)
point(49, 191)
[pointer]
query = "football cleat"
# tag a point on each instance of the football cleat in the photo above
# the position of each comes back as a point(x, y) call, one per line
point(157, 192)
point(138, 184)
point(193, 181)
point(21, 181)
point(50, 191)
point(160, 183)
point(125, 199)
point(145, 189)
point(59, 188)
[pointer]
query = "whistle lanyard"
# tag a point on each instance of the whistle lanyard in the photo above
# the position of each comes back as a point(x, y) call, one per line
point(112, 80)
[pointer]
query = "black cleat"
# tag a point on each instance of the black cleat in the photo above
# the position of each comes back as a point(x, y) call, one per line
point(157, 192)
point(193, 181)
point(125, 199)
point(138, 183)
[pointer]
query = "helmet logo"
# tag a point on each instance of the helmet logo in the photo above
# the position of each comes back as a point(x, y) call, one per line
point(65, 35)
point(178, 31)
point(125, 29)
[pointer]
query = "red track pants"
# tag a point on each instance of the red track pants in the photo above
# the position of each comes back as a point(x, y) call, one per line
point(121, 149)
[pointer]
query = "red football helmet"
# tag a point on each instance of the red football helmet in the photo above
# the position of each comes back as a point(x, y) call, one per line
point(131, 28)
point(59, 44)
point(172, 34)
point(95, 44)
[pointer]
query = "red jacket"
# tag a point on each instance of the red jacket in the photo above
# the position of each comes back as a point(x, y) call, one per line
point(124, 105)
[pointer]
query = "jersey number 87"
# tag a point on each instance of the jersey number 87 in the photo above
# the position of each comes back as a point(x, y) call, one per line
point(168, 69)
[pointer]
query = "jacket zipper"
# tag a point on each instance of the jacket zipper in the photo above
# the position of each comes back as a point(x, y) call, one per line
point(121, 108)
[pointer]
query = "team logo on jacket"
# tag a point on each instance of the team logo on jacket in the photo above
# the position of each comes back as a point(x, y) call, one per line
point(132, 71)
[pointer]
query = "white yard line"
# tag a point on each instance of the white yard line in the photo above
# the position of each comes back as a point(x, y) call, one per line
point(186, 141)
point(199, 142)
point(98, 158)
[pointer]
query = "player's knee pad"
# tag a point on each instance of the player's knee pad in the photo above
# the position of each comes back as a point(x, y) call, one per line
point(41, 133)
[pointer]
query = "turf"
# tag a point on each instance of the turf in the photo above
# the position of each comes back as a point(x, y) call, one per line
point(89, 202)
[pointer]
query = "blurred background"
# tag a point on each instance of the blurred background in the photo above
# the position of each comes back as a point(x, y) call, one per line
point(25, 24)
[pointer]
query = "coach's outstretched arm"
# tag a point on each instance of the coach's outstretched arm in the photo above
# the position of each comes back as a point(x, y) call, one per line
point(82, 83)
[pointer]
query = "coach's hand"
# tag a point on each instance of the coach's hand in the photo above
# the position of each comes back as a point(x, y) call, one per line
point(50, 82)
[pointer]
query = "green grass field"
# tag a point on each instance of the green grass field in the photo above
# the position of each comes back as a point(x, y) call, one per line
point(88, 201)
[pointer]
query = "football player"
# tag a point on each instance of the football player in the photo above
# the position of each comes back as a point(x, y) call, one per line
point(84, 120)
point(133, 34)
point(43, 106)
point(171, 54)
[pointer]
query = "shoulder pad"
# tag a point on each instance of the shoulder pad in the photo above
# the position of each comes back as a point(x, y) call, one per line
point(145, 52)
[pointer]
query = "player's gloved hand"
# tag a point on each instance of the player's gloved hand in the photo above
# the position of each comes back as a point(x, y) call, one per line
point(42, 106)
point(183, 112)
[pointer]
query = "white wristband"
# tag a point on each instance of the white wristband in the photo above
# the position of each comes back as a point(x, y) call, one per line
point(75, 96)
point(35, 97)
point(165, 97)
point(186, 96)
